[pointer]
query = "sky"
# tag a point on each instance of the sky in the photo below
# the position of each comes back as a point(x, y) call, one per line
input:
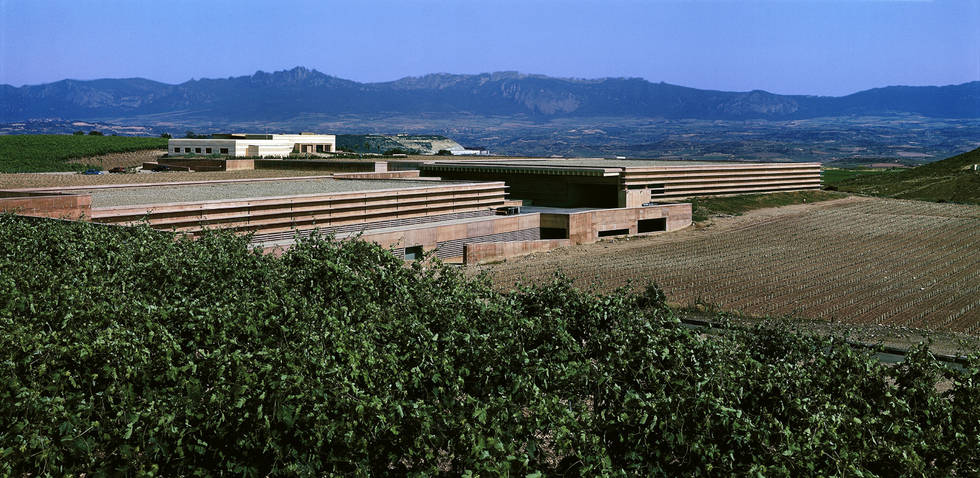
point(819, 47)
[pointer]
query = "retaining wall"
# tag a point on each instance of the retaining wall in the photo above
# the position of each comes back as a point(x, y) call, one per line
point(46, 204)
point(479, 253)
point(587, 226)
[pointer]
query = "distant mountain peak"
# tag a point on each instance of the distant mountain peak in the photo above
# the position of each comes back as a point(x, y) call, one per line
point(301, 90)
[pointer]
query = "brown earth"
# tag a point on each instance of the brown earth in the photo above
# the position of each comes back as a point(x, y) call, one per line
point(125, 160)
point(904, 268)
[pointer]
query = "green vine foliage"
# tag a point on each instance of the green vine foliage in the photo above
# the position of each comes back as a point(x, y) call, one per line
point(125, 351)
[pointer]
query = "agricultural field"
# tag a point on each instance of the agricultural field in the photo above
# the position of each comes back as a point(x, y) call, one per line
point(704, 208)
point(129, 159)
point(54, 152)
point(953, 179)
point(854, 260)
point(834, 176)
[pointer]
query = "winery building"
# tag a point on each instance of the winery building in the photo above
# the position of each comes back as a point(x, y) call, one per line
point(253, 145)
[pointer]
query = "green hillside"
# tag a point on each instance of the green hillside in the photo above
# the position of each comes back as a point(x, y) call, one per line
point(34, 153)
point(950, 180)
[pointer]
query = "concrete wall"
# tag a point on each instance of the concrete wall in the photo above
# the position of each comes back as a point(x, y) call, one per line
point(554, 190)
point(585, 227)
point(204, 164)
point(333, 165)
point(46, 204)
point(239, 164)
point(683, 181)
point(284, 214)
point(449, 240)
point(482, 252)
point(632, 186)
point(379, 175)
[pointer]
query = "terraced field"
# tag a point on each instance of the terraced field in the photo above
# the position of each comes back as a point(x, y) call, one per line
point(855, 260)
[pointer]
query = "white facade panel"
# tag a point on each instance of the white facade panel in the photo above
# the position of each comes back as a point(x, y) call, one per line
point(280, 145)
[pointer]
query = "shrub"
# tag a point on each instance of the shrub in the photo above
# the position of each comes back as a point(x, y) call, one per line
point(125, 351)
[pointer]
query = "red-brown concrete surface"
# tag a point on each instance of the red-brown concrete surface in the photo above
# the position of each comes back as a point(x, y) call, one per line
point(483, 252)
point(61, 206)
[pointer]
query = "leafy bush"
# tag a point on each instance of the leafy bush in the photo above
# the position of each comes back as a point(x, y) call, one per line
point(124, 351)
point(49, 152)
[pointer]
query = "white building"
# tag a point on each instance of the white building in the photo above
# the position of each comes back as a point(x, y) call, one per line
point(254, 145)
point(466, 151)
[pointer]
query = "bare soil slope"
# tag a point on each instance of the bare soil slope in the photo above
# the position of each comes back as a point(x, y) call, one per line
point(125, 160)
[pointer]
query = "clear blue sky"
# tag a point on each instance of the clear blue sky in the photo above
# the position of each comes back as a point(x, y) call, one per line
point(828, 47)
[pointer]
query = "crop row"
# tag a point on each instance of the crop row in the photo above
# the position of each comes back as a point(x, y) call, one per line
point(50, 152)
point(875, 261)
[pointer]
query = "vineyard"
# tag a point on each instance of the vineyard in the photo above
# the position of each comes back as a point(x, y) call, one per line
point(50, 152)
point(125, 352)
point(858, 260)
point(949, 180)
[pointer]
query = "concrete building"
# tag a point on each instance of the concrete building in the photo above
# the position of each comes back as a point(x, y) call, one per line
point(468, 210)
point(625, 183)
point(253, 145)
point(458, 220)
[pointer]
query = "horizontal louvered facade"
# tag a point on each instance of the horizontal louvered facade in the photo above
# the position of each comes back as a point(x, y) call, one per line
point(599, 183)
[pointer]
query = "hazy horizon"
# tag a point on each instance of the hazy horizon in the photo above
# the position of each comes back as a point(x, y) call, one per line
point(449, 73)
point(826, 48)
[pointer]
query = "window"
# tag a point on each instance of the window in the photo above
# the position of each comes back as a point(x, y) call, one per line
point(651, 225)
point(197, 150)
point(614, 232)
point(176, 150)
point(224, 150)
point(207, 150)
point(187, 150)
point(554, 233)
point(413, 253)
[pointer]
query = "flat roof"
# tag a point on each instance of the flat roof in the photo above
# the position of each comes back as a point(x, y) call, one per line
point(595, 163)
point(134, 196)
point(584, 165)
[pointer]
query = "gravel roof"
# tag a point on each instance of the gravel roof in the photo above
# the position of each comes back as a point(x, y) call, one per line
point(240, 190)
point(599, 163)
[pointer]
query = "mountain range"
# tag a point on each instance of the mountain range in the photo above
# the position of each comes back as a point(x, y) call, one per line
point(287, 94)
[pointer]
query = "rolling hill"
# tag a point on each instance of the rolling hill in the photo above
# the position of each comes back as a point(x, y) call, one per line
point(286, 94)
point(949, 180)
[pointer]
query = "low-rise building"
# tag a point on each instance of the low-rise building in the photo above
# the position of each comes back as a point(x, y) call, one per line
point(254, 145)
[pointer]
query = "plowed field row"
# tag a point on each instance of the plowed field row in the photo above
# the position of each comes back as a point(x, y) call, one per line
point(857, 260)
